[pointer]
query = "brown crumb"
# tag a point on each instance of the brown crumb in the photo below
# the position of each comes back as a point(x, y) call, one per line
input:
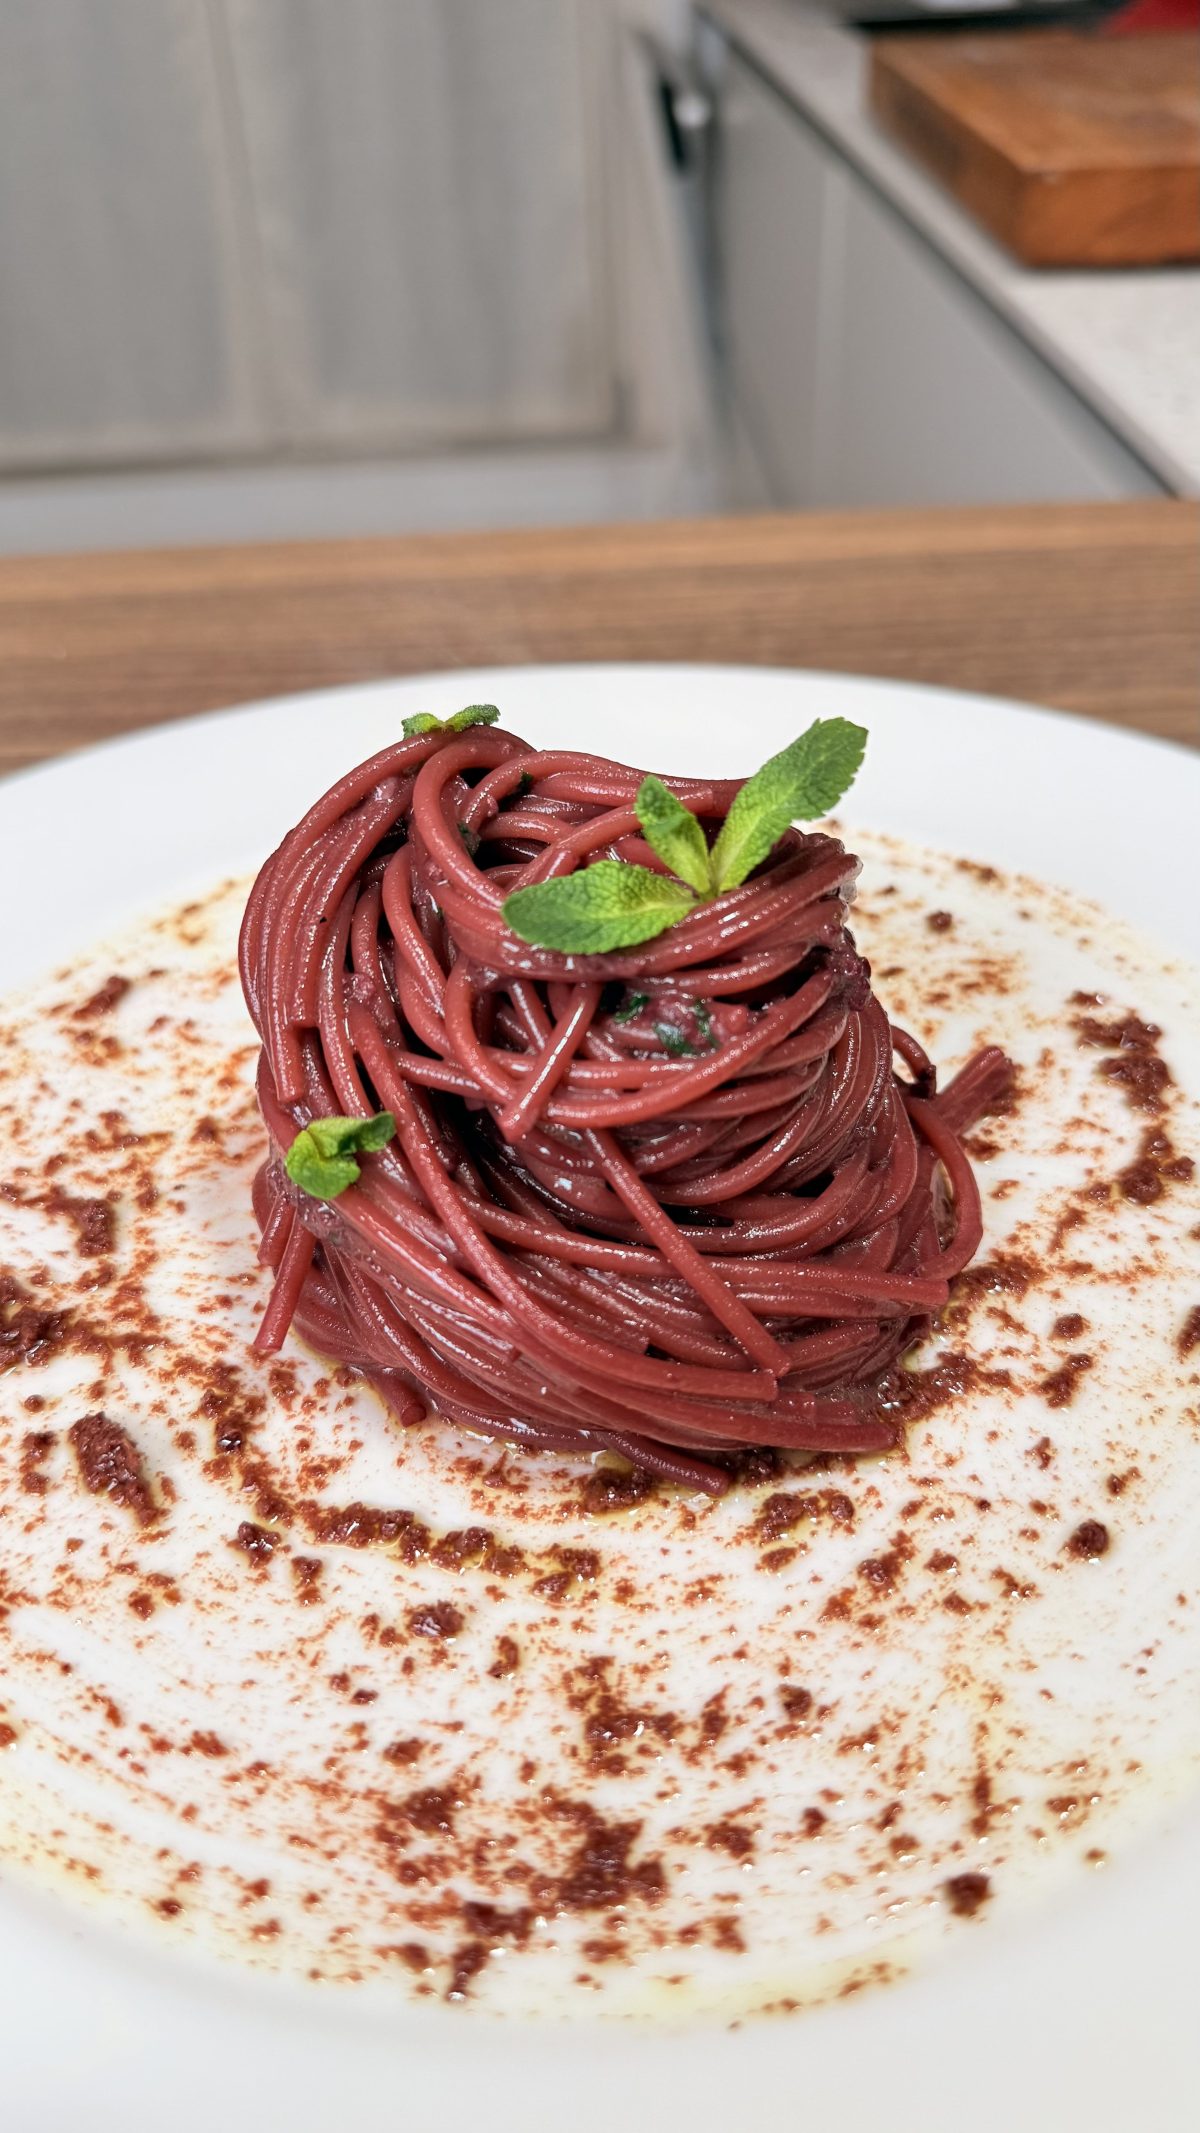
point(110, 1465)
point(1117, 1484)
point(431, 1811)
point(1089, 1540)
point(255, 1541)
point(731, 1837)
point(110, 994)
point(1060, 1387)
point(439, 1620)
point(402, 1751)
point(307, 1571)
point(796, 1702)
point(965, 1893)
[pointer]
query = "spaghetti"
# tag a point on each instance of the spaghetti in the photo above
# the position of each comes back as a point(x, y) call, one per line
point(668, 1202)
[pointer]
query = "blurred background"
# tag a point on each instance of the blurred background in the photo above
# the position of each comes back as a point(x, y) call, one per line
point(293, 268)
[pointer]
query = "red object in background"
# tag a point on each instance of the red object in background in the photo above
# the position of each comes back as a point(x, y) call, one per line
point(1147, 15)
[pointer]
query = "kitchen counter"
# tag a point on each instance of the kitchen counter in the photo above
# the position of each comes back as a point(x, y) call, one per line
point(1090, 607)
point(1127, 341)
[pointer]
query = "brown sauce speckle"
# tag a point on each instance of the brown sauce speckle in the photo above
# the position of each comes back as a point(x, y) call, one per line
point(402, 1752)
point(307, 1572)
point(439, 1620)
point(1154, 1169)
point(601, 1875)
point(93, 1220)
point(255, 1541)
point(966, 1893)
point(110, 1465)
point(28, 1333)
point(103, 1001)
point(1069, 1326)
point(36, 1447)
point(1058, 1389)
point(731, 1837)
point(797, 1702)
point(1089, 1540)
point(1136, 1066)
point(612, 1489)
point(431, 1811)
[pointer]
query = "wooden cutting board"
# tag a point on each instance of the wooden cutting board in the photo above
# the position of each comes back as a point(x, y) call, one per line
point(1074, 149)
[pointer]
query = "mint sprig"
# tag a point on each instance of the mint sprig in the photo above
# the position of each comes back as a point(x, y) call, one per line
point(321, 1159)
point(803, 781)
point(608, 905)
point(611, 904)
point(458, 722)
point(671, 830)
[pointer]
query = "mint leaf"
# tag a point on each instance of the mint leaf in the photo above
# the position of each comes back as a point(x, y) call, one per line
point(604, 906)
point(321, 1158)
point(803, 781)
point(631, 1007)
point(673, 1041)
point(671, 830)
point(472, 715)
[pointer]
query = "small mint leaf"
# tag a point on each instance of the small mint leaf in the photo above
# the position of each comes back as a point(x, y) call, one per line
point(631, 1007)
point(605, 906)
point(364, 1135)
point(473, 715)
point(673, 1041)
point(458, 722)
point(671, 830)
point(321, 1159)
point(803, 781)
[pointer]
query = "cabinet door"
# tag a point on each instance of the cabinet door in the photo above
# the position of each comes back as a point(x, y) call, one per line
point(863, 369)
point(127, 332)
point(773, 198)
point(934, 399)
point(427, 194)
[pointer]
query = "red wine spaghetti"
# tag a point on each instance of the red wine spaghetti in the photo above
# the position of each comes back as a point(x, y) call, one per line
point(669, 1202)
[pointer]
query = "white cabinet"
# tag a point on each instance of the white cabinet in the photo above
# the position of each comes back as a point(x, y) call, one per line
point(424, 188)
point(935, 400)
point(774, 189)
point(864, 369)
point(125, 327)
point(270, 227)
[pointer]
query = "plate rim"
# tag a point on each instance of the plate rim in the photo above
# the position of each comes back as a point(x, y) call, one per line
point(1094, 2065)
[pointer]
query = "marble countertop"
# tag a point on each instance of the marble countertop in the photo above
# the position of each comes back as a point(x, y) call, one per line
point(1127, 340)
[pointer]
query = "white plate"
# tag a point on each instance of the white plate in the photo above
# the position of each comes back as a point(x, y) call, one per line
point(1083, 2015)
